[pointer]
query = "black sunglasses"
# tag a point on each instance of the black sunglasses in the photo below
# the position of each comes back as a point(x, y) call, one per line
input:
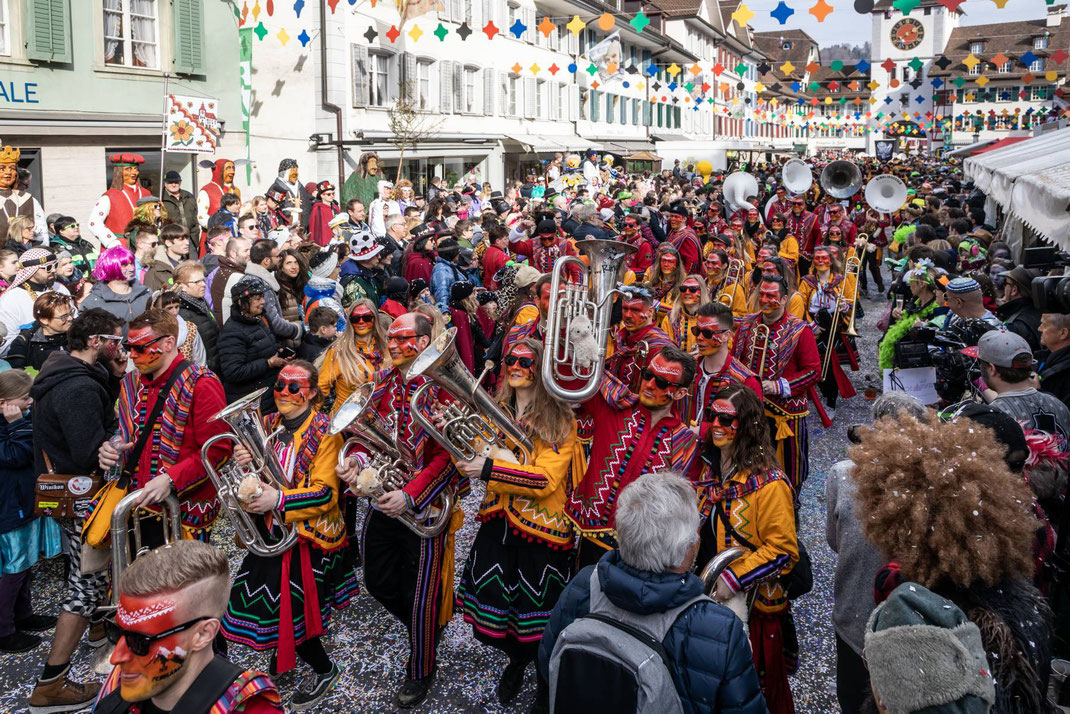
point(720, 417)
point(139, 643)
point(525, 362)
point(291, 387)
point(707, 333)
point(661, 382)
point(141, 348)
point(362, 318)
point(690, 289)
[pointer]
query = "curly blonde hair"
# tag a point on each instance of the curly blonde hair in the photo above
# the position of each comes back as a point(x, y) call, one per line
point(939, 499)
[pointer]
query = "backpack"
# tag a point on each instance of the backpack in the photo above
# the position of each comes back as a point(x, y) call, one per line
point(620, 651)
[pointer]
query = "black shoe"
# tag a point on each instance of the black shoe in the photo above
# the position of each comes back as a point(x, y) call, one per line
point(36, 623)
point(19, 642)
point(511, 681)
point(414, 691)
point(318, 688)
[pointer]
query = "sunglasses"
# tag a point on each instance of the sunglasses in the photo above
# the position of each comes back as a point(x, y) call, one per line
point(661, 382)
point(69, 225)
point(525, 362)
point(706, 332)
point(720, 417)
point(291, 387)
point(690, 289)
point(141, 348)
point(138, 643)
point(364, 317)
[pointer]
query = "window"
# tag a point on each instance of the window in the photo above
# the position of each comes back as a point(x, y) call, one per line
point(5, 38)
point(1005, 68)
point(977, 47)
point(1040, 92)
point(1007, 94)
point(468, 10)
point(470, 83)
point(423, 84)
point(562, 102)
point(623, 110)
point(976, 69)
point(1040, 43)
point(514, 14)
point(1037, 65)
point(514, 91)
point(130, 33)
point(635, 112)
point(584, 96)
point(611, 107)
point(379, 79)
point(542, 100)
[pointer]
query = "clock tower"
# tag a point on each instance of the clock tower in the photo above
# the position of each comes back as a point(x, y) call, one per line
point(923, 34)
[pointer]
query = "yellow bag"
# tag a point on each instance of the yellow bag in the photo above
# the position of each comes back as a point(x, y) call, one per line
point(96, 531)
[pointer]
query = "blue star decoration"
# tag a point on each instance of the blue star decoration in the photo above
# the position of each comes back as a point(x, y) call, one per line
point(299, 5)
point(463, 31)
point(862, 66)
point(936, 82)
point(651, 69)
point(1028, 58)
point(518, 28)
point(781, 13)
point(795, 86)
point(888, 100)
point(305, 39)
point(370, 35)
point(919, 99)
point(672, 86)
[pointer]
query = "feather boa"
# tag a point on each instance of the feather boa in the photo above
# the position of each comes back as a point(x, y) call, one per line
point(886, 355)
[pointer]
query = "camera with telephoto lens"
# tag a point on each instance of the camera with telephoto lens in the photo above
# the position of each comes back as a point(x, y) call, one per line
point(1051, 293)
point(955, 372)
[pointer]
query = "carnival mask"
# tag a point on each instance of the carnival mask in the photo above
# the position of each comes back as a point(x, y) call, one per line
point(710, 337)
point(402, 340)
point(157, 661)
point(130, 175)
point(292, 390)
point(228, 173)
point(9, 175)
point(147, 350)
point(373, 166)
point(769, 298)
point(520, 367)
point(661, 383)
point(635, 314)
point(724, 422)
point(291, 175)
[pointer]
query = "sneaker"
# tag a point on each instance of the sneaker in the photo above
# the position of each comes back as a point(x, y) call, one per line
point(36, 623)
point(414, 691)
point(319, 687)
point(60, 695)
point(97, 634)
point(19, 641)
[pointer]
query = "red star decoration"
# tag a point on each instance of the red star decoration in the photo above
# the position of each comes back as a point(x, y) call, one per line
point(1060, 56)
point(888, 65)
point(717, 69)
point(833, 86)
point(595, 84)
point(553, 69)
point(393, 33)
point(705, 87)
point(1021, 95)
point(490, 30)
point(333, 4)
point(951, 5)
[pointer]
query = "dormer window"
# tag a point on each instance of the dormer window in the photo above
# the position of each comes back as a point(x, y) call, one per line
point(977, 47)
point(1005, 68)
point(1040, 43)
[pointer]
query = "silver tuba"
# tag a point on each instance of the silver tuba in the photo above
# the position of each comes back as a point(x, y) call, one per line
point(738, 186)
point(841, 179)
point(717, 564)
point(126, 520)
point(389, 458)
point(886, 193)
point(593, 298)
point(473, 421)
point(796, 176)
point(247, 429)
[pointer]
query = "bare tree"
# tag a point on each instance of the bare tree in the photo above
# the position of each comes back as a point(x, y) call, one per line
point(408, 125)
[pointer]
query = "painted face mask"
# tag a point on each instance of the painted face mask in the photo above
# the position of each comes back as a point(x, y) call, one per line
point(660, 383)
point(146, 349)
point(402, 340)
point(709, 335)
point(724, 422)
point(667, 263)
point(130, 175)
point(822, 261)
point(635, 314)
point(148, 664)
point(544, 299)
point(292, 391)
point(769, 299)
point(8, 176)
point(228, 173)
point(363, 320)
point(690, 293)
point(520, 367)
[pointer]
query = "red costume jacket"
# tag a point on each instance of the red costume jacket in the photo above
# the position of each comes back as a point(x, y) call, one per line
point(687, 243)
point(791, 360)
point(804, 228)
point(629, 357)
point(690, 409)
point(121, 206)
point(494, 258)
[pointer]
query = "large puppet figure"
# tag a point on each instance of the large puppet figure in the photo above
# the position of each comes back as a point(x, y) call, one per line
point(13, 201)
point(115, 208)
point(363, 184)
point(222, 182)
point(289, 182)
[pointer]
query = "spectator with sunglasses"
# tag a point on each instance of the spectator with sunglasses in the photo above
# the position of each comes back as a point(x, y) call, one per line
point(164, 661)
point(68, 237)
point(52, 316)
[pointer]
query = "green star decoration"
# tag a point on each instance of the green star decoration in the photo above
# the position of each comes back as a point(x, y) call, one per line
point(905, 6)
point(958, 82)
point(741, 69)
point(915, 64)
point(689, 86)
point(592, 69)
point(639, 22)
point(260, 31)
point(441, 32)
point(836, 66)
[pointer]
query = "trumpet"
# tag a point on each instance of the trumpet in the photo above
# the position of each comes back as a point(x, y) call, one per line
point(247, 429)
point(473, 421)
point(732, 276)
point(391, 462)
point(759, 348)
point(853, 267)
point(122, 527)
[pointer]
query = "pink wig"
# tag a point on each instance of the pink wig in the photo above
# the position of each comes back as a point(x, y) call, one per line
point(111, 262)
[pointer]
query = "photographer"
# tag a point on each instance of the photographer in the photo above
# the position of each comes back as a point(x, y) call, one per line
point(906, 320)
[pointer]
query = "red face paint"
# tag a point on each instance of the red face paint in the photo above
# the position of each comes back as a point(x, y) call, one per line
point(690, 292)
point(714, 264)
point(769, 299)
point(724, 422)
point(402, 340)
point(520, 377)
point(362, 319)
point(143, 677)
point(769, 269)
point(667, 262)
point(651, 394)
point(292, 391)
point(149, 359)
point(822, 260)
point(635, 314)
point(544, 299)
point(711, 335)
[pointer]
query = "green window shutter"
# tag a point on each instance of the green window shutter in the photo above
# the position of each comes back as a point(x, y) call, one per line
point(188, 19)
point(48, 31)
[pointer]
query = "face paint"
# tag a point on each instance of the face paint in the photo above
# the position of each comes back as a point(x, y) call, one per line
point(752, 216)
point(769, 299)
point(292, 391)
point(520, 377)
point(822, 261)
point(711, 336)
point(690, 292)
point(402, 341)
point(363, 327)
point(130, 175)
point(544, 299)
point(769, 269)
point(149, 359)
point(667, 263)
point(635, 314)
point(714, 265)
point(143, 677)
point(722, 433)
point(654, 396)
point(676, 220)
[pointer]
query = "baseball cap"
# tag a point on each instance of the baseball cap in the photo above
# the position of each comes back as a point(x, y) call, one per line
point(1002, 348)
point(526, 276)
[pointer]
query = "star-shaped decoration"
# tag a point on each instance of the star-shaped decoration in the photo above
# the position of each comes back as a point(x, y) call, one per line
point(516, 68)
point(576, 25)
point(862, 66)
point(971, 61)
point(916, 83)
point(717, 69)
point(873, 85)
point(742, 15)
point(836, 66)
point(915, 64)
point(606, 22)
point(553, 69)
point(260, 31)
point(888, 65)
point(689, 87)
point(958, 82)
point(834, 86)
point(464, 31)
point(776, 86)
point(393, 34)
point(673, 86)
point(942, 62)
point(595, 84)
point(490, 29)
point(441, 32)
point(673, 69)
point(936, 82)
point(999, 59)
point(1028, 58)
point(518, 28)
point(651, 69)
point(416, 33)
point(592, 69)
point(631, 69)
point(854, 86)
point(695, 70)
point(1028, 78)
point(813, 87)
point(706, 87)
point(304, 38)
point(821, 10)
point(534, 68)
point(1059, 57)
point(795, 86)
point(741, 68)
point(639, 22)
point(812, 67)
point(370, 34)
point(546, 27)
point(905, 6)
point(764, 68)
point(982, 81)
point(787, 68)
point(283, 36)
point(781, 12)
point(299, 5)
point(759, 87)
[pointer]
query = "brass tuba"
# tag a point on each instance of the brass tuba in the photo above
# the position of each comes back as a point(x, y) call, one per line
point(389, 458)
point(841, 179)
point(247, 429)
point(472, 421)
point(126, 520)
point(593, 298)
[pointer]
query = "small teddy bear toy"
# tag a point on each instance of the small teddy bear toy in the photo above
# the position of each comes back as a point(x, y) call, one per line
point(584, 345)
point(250, 487)
point(368, 483)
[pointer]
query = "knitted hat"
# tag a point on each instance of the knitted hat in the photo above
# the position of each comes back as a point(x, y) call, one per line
point(923, 653)
point(30, 261)
point(363, 245)
point(459, 291)
point(397, 288)
point(247, 287)
point(417, 286)
point(963, 285)
point(323, 264)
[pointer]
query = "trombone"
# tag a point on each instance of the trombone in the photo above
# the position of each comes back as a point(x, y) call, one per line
point(852, 267)
point(732, 276)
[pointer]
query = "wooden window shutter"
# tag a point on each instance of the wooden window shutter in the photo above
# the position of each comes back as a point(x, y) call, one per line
point(530, 102)
point(409, 77)
point(445, 86)
point(596, 106)
point(488, 92)
point(48, 31)
point(188, 19)
point(459, 104)
point(361, 81)
point(504, 84)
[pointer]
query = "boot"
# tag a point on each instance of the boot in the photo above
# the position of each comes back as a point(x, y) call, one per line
point(60, 694)
point(97, 634)
point(36, 623)
point(18, 641)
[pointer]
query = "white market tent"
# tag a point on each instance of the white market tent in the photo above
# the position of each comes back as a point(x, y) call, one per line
point(1030, 180)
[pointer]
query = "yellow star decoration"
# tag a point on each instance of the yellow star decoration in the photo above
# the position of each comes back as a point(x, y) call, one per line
point(256, 10)
point(775, 102)
point(970, 61)
point(1051, 75)
point(735, 100)
point(873, 84)
point(640, 86)
point(576, 25)
point(534, 68)
point(283, 36)
point(787, 68)
point(759, 87)
point(742, 15)
point(872, 100)
point(981, 81)
point(969, 97)
point(695, 70)
point(416, 33)
point(673, 69)
point(546, 27)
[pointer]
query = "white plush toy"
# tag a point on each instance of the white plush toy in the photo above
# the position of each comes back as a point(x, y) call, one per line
point(584, 345)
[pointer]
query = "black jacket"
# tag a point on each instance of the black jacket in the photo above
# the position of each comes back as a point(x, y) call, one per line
point(197, 311)
point(73, 413)
point(1022, 319)
point(312, 346)
point(17, 476)
point(245, 344)
point(32, 346)
point(1055, 374)
point(183, 210)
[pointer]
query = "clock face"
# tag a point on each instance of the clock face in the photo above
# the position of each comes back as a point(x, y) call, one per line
point(907, 33)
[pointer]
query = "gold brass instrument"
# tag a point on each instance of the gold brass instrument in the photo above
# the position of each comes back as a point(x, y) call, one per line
point(126, 520)
point(759, 348)
point(841, 179)
point(473, 421)
point(247, 428)
point(732, 276)
point(592, 298)
point(853, 266)
point(388, 457)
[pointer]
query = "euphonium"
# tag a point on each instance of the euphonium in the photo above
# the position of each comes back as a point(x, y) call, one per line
point(717, 565)
point(121, 528)
point(247, 429)
point(390, 462)
point(593, 298)
point(472, 421)
point(841, 179)
point(732, 276)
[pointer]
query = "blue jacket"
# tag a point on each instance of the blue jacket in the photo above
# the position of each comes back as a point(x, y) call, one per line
point(443, 276)
point(17, 475)
point(713, 670)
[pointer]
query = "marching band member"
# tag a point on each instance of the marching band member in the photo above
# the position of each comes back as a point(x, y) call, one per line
point(787, 243)
point(637, 339)
point(684, 239)
point(746, 499)
point(533, 329)
point(787, 363)
point(779, 206)
point(822, 290)
point(838, 219)
point(522, 556)
point(665, 275)
point(635, 433)
point(284, 602)
point(680, 321)
point(732, 294)
point(632, 234)
point(412, 577)
point(778, 266)
point(357, 354)
point(716, 367)
point(803, 225)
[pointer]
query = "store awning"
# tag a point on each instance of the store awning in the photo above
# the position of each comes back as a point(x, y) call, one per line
point(643, 156)
point(979, 169)
point(970, 149)
point(1041, 200)
point(543, 144)
point(627, 147)
point(1001, 143)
